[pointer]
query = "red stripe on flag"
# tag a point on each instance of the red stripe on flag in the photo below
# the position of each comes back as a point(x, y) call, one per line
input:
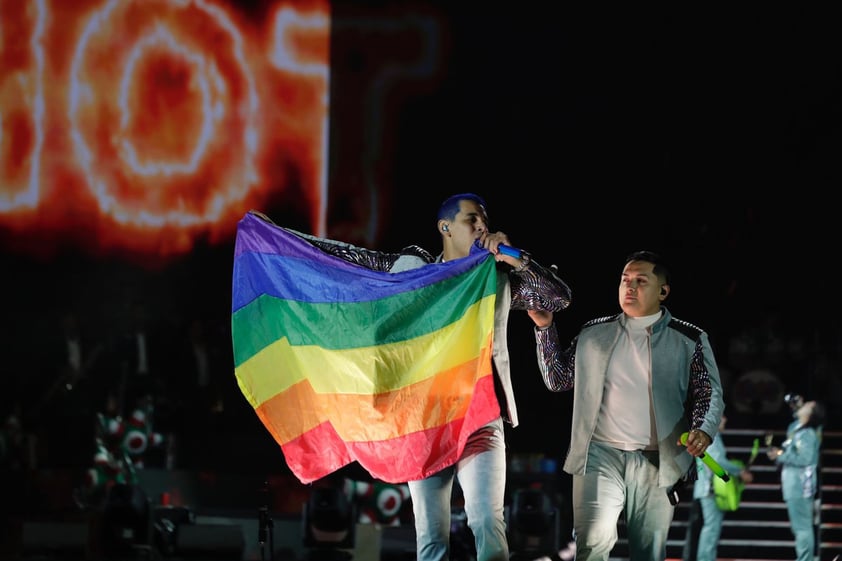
point(321, 451)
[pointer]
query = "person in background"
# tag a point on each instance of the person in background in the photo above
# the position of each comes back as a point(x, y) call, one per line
point(65, 405)
point(799, 457)
point(522, 284)
point(704, 525)
point(136, 356)
point(641, 378)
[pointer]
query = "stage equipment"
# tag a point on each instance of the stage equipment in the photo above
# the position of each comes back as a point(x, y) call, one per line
point(126, 520)
point(329, 521)
point(533, 524)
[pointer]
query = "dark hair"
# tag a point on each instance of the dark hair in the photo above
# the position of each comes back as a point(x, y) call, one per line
point(660, 268)
point(817, 416)
point(450, 207)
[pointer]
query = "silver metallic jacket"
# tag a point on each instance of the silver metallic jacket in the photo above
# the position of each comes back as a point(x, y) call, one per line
point(533, 288)
point(686, 388)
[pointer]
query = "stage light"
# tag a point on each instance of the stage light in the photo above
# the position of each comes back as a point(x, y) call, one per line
point(126, 520)
point(329, 520)
point(533, 523)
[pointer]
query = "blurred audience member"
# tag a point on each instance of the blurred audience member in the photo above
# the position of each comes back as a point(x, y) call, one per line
point(200, 368)
point(64, 407)
point(138, 357)
point(197, 372)
point(71, 356)
point(17, 445)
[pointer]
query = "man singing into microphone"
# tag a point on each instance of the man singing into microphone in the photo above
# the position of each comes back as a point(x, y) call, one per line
point(522, 284)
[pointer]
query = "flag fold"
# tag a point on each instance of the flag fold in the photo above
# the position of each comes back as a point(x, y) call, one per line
point(342, 363)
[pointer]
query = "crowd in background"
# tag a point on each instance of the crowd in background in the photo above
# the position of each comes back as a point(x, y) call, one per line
point(179, 373)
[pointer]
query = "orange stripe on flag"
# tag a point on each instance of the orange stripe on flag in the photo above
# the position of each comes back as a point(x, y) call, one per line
point(321, 451)
point(430, 403)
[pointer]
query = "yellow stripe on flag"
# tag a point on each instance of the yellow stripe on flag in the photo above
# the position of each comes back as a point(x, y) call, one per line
point(371, 370)
point(358, 418)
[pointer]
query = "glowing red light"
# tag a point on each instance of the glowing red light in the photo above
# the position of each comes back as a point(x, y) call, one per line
point(156, 121)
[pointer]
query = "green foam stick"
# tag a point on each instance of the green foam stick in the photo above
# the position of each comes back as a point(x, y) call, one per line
point(708, 461)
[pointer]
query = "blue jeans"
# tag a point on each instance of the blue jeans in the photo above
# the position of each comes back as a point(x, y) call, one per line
point(614, 481)
point(711, 529)
point(481, 473)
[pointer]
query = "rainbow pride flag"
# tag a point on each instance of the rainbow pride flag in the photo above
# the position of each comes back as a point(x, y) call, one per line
point(342, 363)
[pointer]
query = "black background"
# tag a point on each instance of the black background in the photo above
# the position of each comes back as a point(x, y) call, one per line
point(712, 136)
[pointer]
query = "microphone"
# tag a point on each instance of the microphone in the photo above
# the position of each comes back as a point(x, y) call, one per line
point(709, 462)
point(505, 250)
point(510, 251)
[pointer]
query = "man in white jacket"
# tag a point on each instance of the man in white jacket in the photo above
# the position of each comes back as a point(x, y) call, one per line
point(641, 378)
